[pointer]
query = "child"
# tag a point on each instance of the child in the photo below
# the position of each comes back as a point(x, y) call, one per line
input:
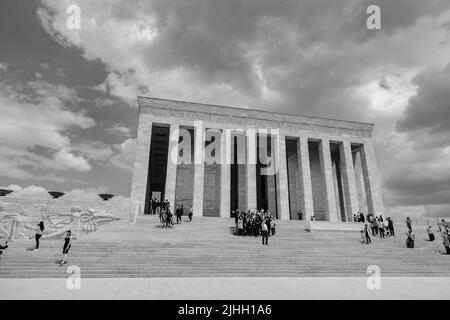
point(3, 247)
point(67, 246)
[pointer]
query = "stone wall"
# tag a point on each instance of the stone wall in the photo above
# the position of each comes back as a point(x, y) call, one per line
point(122, 208)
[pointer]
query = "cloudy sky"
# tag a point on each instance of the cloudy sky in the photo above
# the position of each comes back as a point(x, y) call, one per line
point(68, 97)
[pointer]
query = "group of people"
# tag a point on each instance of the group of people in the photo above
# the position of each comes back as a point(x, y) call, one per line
point(40, 229)
point(379, 226)
point(254, 223)
point(165, 213)
point(444, 232)
point(385, 227)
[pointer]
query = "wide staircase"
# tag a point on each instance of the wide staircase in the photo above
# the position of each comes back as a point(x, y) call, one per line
point(208, 247)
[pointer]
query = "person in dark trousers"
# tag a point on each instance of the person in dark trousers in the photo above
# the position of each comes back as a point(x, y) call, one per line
point(67, 246)
point(410, 239)
point(191, 212)
point(264, 232)
point(267, 221)
point(391, 227)
point(158, 207)
point(409, 223)
point(366, 235)
point(446, 241)
point(381, 227)
point(2, 248)
point(300, 214)
point(169, 221)
point(272, 226)
point(178, 213)
point(153, 206)
point(430, 233)
point(39, 232)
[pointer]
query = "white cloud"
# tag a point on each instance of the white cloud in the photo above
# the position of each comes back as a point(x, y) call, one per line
point(119, 130)
point(71, 161)
point(94, 150)
point(35, 115)
point(126, 154)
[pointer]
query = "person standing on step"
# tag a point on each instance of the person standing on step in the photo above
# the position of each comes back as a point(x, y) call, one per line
point(300, 214)
point(430, 233)
point(272, 226)
point(446, 241)
point(386, 227)
point(153, 206)
point(410, 239)
point(391, 227)
point(375, 225)
point(265, 232)
point(191, 213)
point(409, 223)
point(178, 214)
point(67, 246)
point(158, 208)
point(39, 232)
point(381, 227)
point(366, 235)
point(2, 248)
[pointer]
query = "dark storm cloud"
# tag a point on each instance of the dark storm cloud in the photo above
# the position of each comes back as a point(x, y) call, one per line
point(429, 109)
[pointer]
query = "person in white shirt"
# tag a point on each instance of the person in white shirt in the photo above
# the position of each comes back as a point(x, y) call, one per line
point(264, 232)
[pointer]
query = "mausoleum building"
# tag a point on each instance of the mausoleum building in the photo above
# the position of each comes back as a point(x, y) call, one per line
point(218, 159)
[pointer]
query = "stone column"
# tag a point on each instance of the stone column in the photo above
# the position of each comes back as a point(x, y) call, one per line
point(172, 161)
point(199, 170)
point(282, 177)
point(225, 178)
point(371, 179)
point(349, 179)
point(327, 170)
point(251, 158)
point(140, 171)
point(305, 173)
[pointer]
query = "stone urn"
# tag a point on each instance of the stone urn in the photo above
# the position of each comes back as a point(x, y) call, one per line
point(4, 192)
point(56, 194)
point(105, 196)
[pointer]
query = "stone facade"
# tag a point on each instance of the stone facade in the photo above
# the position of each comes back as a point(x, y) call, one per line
point(326, 168)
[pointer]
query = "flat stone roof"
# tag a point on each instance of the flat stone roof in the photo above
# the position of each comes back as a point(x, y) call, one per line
point(227, 111)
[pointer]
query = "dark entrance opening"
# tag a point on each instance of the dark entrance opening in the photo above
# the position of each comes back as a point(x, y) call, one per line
point(336, 161)
point(234, 194)
point(157, 167)
point(266, 185)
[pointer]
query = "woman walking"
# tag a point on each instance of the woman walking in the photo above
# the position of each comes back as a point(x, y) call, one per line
point(39, 232)
point(67, 246)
